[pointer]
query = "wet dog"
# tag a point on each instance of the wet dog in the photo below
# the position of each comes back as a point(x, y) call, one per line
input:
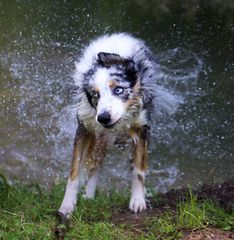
point(116, 83)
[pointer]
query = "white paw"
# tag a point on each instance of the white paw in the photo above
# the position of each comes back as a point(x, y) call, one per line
point(91, 187)
point(69, 201)
point(137, 203)
point(67, 209)
point(88, 195)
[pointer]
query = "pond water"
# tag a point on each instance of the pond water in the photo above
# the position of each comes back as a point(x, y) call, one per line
point(39, 43)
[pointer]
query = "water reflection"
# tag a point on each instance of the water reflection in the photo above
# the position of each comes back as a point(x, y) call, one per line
point(38, 47)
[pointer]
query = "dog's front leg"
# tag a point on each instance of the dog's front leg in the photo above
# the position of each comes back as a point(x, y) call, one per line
point(94, 164)
point(137, 201)
point(83, 146)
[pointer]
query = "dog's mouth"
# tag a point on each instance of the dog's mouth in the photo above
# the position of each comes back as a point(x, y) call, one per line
point(109, 125)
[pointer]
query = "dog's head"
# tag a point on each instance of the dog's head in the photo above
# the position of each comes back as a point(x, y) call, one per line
point(113, 89)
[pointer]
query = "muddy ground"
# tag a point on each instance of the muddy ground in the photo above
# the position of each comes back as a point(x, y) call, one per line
point(222, 194)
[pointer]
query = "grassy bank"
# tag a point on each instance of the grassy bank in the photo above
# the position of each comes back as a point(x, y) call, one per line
point(27, 212)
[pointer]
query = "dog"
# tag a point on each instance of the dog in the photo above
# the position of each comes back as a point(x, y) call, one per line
point(116, 83)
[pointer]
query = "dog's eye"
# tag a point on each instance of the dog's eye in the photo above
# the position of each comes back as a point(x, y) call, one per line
point(95, 94)
point(118, 90)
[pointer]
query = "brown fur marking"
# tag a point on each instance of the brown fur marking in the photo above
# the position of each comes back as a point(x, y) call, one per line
point(83, 147)
point(112, 84)
point(140, 178)
point(140, 149)
point(144, 156)
point(137, 87)
point(95, 155)
point(97, 89)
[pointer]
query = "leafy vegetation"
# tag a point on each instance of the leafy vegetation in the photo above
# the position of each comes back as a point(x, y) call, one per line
point(190, 213)
point(27, 212)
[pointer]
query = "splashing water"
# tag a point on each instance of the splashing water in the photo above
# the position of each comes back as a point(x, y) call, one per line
point(46, 112)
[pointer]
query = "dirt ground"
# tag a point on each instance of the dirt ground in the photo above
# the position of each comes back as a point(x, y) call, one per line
point(223, 194)
point(209, 234)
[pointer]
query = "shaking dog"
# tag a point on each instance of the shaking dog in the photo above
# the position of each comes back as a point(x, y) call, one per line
point(116, 83)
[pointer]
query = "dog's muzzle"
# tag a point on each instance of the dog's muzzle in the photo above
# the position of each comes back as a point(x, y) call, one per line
point(104, 118)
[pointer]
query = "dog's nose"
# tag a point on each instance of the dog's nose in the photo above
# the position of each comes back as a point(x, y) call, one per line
point(104, 118)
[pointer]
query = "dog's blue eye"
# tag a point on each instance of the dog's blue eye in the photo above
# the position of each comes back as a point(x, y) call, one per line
point(118, 90)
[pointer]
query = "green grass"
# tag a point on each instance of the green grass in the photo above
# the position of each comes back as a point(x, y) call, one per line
point(27, 212)
point(164, 227)
point(218, 217)
point(191, 214)
point(194, 214)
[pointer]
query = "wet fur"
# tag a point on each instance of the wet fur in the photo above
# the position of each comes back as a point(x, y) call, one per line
point(117, 59)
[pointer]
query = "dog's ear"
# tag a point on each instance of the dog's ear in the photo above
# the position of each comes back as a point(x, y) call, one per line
point(127, 64)
point(130, 71)
point(108, 59)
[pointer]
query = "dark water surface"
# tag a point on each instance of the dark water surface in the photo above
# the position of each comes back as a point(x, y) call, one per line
point(39, 43)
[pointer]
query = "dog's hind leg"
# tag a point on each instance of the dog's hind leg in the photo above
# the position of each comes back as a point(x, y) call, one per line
point(137, 201)
point(94, 165)
point(83, 146)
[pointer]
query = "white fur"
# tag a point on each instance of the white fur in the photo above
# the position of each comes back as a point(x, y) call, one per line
point(141, 120)
point(107, 102)
point(91, 186)
point(119, 43)
point(69, 201)
point(137, 201)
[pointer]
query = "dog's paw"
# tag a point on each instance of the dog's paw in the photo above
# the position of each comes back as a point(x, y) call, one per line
point(65, 211)
point(87, 195)
point(62, 227)
point(137, 204)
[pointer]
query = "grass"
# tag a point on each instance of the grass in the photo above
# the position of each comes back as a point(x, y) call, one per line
point(191, 214)
point(27, 212)
point(218, 217)
point(164, 227)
